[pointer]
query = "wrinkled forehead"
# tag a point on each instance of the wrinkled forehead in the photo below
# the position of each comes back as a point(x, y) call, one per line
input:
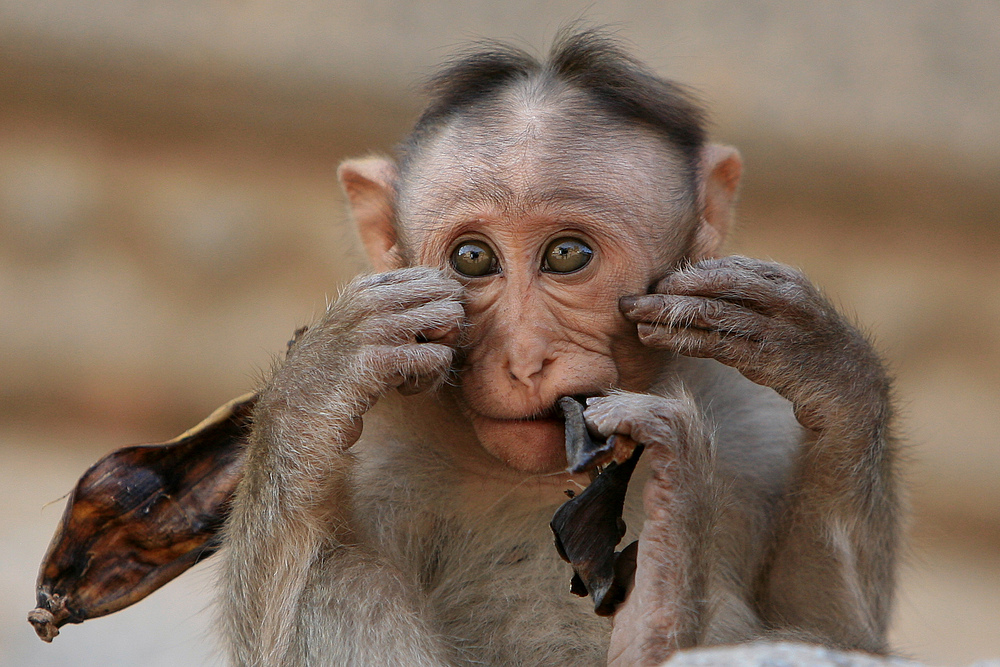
point(545, 158)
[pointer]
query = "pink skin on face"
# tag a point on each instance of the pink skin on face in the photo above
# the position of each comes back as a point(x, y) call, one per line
point(535, 335)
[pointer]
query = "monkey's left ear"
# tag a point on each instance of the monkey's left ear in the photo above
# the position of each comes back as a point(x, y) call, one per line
point(719, 178)
point(370, 185)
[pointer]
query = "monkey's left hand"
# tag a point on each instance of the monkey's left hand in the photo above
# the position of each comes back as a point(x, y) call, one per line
point(770, 323)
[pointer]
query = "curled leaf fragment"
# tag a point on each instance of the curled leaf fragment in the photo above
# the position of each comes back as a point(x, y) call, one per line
point(589, 526)
point(139, 517)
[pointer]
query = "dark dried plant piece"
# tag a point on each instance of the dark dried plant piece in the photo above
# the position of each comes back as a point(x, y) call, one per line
point(583, 452)
point(589, 526)
point(139, 517)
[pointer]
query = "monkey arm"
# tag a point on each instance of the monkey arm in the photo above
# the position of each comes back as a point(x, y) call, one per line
point(299, 588)
point(289, 538)
point(668, 606)
point(836, 545)
point(830, 575)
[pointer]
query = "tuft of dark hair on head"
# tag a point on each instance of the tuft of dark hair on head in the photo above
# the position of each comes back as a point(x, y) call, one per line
point(591, 61)
point(484, 68)
point(478, 72)
point(594, 61)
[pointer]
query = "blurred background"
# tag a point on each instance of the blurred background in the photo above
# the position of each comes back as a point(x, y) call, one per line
point(169, 214)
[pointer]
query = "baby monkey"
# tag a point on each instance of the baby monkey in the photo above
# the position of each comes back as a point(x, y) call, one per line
point(520, 242)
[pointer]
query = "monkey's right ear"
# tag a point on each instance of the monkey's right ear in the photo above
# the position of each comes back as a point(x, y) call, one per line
point(370, 185)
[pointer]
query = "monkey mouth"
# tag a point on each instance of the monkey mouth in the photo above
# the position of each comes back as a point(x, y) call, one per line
point(552, 412)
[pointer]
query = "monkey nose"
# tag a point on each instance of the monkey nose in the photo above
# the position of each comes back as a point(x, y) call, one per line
point(527, 371)
point(524, 376)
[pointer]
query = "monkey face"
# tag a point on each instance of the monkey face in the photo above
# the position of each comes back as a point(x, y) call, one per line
point(546, 234)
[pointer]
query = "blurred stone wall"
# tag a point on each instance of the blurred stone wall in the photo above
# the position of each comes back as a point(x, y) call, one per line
point(169, 214)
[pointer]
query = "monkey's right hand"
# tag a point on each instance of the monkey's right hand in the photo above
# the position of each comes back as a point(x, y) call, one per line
point(387, 330)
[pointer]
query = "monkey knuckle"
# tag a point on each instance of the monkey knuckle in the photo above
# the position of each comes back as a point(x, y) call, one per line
point(655, 419)
point(774, 272)
point(350, 302)
point(682, 312)
point(432, 279)
point(595, 413)
point(375, 358)
point(683, 279)
point(605, 418)
point(659, 336)
point(397, 291)
point(427, 364)
point(452, 312)
point(610, 402)
point(356, 306)
point(406, 278)
point(723, 270)
point(658, 306)
point(372, 369)
point(712, 309)
point(794, 275)
point(615, 424)
point(597, 405)
point(419, 272)
point(435, 313)
point(443, 354)
point(449, 285)
point(433, 354)
point(375, 330)
point(373, 288)
point(666, 308)
point(619, 413)
point(709, 264)
point(740, 262)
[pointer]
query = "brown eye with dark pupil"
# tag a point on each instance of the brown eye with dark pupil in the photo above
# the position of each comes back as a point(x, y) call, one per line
point(566, 255)
point(473, 258)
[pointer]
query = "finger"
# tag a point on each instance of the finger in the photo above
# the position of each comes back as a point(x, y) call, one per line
point(767, 287)
point(599, 416)
point(400, 276)
point(396, 298)
point(682, 340)
point(737, 286)
point(687, 312)
point(446, 335)
point(390, 293)
point(772, 271)
point(435, 321)
point(609, 415)
point(420, 366)
point(754, 359)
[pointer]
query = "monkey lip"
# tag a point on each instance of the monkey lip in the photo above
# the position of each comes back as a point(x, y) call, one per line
point(547, 416)
point(534, 443)
point(550, 413)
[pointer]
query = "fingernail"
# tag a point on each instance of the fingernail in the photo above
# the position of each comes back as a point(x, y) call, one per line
point(628, 302)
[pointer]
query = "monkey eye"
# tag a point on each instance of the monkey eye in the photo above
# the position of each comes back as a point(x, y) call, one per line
point(566, 255)
point(474, 258)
